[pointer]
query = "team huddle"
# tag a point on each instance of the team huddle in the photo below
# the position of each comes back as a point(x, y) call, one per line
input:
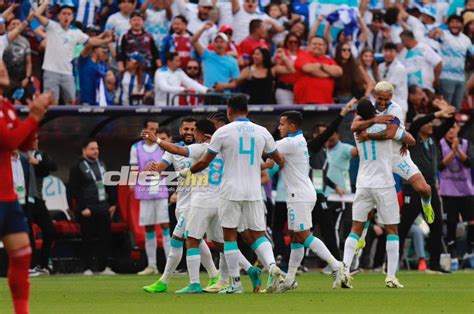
point(232, 157)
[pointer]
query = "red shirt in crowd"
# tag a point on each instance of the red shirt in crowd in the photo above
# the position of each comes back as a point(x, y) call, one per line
point(288, 79)
point(309, 89)
point(248, 46)
point(13, 135)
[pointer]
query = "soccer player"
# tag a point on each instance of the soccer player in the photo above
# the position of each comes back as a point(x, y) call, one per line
point(153, 200)
point(301, 198)
point(13, 228)
point(241, 144)
point(183, 206)
point(401, 164)
point(376, 188)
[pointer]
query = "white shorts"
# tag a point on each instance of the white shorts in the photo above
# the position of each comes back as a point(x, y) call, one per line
point(181, 218)
point(404, 167)
point(204, 221)
point(242, 215)
point(154, 212)
point(299, 215)
point(386, 201)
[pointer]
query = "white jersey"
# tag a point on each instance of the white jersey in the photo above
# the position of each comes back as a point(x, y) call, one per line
point(241, 144)
point(375, 167)
point(395, 110)
point(179, 163)
point(206, 191)
point(295, 173)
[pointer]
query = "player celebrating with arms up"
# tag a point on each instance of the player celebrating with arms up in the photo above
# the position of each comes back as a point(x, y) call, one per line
point(301, 198)
point(376, 188)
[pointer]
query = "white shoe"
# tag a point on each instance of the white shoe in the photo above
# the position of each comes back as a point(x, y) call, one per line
point(392, 282)
point(327, 270)
point(149, 270)
point(107, 272)
point(88, 272)
point(232, 290)
point(285, 286)
point(217, 287)
point(274, 279)
point(340, 276)
point(346, 281)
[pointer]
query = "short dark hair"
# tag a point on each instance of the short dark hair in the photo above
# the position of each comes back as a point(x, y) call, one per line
point(87, 141)
point(205, 126)
point(455, 17)
point(145, 123)
point(70, 7)
point(408, 34)
point(137, 13)
point(294, 117)
point(120, 1)
point(254, 25)
point(365, 109)
point(219, 116)
point(412, 88)
point(171, 55)
point(164, 130)
point(238, 104)
point(391, 16)
point(182, 18)
point(322, 38)
point(390, 46)
point(188, 119)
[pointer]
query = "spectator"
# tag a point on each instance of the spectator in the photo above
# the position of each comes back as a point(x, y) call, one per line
point(245, 14)
point(221, 71)
point(316, 73)
point(354, 82)
point(17, 59)
point(418, 237)
point(377, 33)
point(61, 41)
point(369, 66)
point(110, 86)
point(274, 11)
point(119, 23)
point(137, 40)
point(232, 49)
point(393, 71)
point(300, 11)
point(256, 39)
point(422, 63)
point(424, 156)
point(87, 12)
point(171, 80)
point(95, 206)
point(285, 82)
point(13, 32)
point(454, 48)
point(179, 41)
point(299, 28)
point(157, 19)
point(418, 102)
point(198, 19)
point(344, 37)
point(257, 78)
point(455, 161)
point(194, 71)
point(92, 73)
point(135, 87)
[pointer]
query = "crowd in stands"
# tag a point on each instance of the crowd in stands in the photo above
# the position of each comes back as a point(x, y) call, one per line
point(134, 52)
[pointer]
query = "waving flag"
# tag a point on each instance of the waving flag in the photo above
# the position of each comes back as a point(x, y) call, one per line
point(344, 18)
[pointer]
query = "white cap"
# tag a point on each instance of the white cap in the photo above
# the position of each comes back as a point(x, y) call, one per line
point(223, 36)
point(205, 3)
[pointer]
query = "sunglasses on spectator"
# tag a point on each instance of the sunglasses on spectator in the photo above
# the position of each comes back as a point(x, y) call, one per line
point(346, 50)
point(192, 68)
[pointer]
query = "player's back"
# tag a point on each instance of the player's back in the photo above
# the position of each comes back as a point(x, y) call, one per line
point(375, 167)
point(295, 173)
point(241, 144)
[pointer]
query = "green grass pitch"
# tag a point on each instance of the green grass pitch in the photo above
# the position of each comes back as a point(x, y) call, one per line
point(423, 293)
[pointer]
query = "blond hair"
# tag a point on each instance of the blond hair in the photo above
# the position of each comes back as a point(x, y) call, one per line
point(384, 87)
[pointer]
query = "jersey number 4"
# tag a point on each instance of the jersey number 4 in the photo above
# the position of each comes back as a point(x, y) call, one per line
point(250, 151)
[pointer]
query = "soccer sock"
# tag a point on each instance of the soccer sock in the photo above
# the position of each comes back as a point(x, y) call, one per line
point(243, 262)
point(231, 253)
point(150, 248)
point(223, 269)
point(366, 228)
point(349, 248)
point(426, 200)
point(166, 240)
point(193, 261)
point(296, 256)
point(263, 248)
point(18, 280)
point(392, 248)
point(318, 247)
point(206, 259)
point(176, 253)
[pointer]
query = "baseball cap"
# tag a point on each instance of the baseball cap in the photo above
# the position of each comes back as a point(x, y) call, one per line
point(205, 3)
point(137, 13)
point(377, 16)
point(221, 35)
point(225, 28)
point(429, 10)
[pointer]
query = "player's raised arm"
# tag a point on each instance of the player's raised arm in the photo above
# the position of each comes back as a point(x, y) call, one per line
point(167, 146)
point(204, 162)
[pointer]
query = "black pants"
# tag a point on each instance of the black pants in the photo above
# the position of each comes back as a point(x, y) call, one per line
point(38, 214)
point(280, 217)
point(324, 217)
point(453, 206)
point(379, 257)
point(97, 226)
point(410, 211)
